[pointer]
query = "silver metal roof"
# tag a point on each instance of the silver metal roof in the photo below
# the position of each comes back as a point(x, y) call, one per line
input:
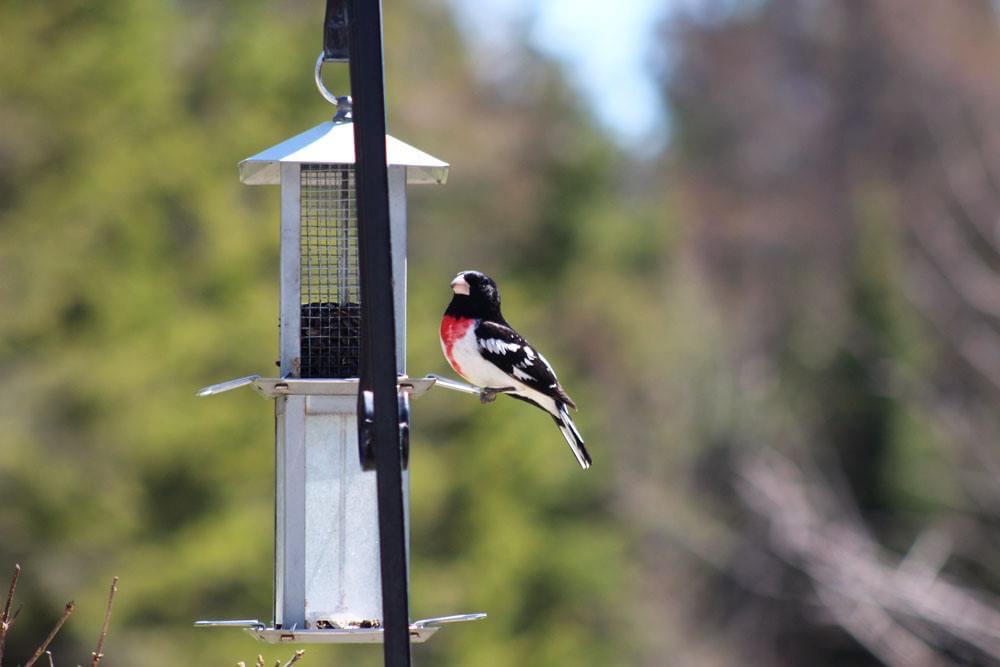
point(333, 143)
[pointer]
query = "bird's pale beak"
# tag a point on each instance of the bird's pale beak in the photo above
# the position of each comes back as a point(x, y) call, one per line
point(459, 285)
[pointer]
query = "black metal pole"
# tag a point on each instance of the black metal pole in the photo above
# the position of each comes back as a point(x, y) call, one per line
point(378, 363)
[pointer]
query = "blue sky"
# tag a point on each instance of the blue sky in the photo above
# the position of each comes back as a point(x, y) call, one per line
point(605, 52)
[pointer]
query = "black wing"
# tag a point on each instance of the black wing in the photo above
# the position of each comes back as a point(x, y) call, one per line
point(508, 350)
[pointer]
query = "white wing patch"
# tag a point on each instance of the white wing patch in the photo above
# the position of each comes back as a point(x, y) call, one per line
point(521, 375)
point(497, 346)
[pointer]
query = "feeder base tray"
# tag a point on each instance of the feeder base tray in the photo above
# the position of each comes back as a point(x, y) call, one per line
point(420, 631)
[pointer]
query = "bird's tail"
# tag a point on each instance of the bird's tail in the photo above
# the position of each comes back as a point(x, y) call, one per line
point(573, 437)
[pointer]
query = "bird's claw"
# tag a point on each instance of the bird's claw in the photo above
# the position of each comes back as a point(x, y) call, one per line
point(489, 394)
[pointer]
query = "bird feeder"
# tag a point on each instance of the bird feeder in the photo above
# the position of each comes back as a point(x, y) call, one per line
point(327, 585)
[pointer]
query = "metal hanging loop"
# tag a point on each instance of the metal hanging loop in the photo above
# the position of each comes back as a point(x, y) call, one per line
point(343, 103)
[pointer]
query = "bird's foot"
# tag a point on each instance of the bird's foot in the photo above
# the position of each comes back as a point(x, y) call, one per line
point(489, 394)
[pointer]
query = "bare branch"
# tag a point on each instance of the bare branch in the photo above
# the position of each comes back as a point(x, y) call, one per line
point(48, 654)
point(104, 628)
point(260, 661)
point(968, 181)
point(878, 632)
point(967, 274)
point(5, 619)
point(10, 592)
point(977, 345)
point(70, 606)
point(295, 658)
point(927, 555)
point(855, 577)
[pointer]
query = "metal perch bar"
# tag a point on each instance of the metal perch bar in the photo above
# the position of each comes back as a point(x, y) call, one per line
point(465, 388)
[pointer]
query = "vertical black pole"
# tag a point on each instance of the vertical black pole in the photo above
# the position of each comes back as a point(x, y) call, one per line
point(378, 361)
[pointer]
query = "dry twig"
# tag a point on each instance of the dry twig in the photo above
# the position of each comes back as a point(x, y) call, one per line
point(5, 620)
point(104, 628)
point(277, 663)
point(295, 658)
point(70, 606)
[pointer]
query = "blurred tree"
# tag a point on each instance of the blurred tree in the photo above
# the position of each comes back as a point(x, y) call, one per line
point(837, 164)
point(136, 268)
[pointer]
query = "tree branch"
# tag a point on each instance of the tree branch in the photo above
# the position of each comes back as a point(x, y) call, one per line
point(976, 344)
point(70, 606)
point(811, 532)
point(968, 181)
point(104, 628)
point(295, 658)
point(5, 619)
point(967, 274)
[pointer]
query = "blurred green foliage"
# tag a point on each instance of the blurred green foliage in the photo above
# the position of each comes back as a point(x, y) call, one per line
point(136, 268)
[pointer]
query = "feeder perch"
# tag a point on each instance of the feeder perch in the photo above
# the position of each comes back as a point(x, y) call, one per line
point(327, 585)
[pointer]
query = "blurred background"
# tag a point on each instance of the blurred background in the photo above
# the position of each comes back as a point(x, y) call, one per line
point(758, 239)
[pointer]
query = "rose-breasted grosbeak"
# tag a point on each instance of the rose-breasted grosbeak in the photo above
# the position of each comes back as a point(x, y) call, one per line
point(486, 351)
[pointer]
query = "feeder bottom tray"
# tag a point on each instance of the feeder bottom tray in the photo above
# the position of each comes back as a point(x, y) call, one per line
point(420, 631)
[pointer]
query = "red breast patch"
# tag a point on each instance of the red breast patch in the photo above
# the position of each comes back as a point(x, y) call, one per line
point(452, 329)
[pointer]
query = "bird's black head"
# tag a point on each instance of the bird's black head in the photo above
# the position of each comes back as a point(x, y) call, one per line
point(476, 296)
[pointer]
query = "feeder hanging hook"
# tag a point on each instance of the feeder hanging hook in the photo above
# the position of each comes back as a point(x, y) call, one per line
point(343, 103)
point(336, 49)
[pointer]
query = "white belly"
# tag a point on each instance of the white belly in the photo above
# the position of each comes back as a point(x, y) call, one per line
point(474, 368)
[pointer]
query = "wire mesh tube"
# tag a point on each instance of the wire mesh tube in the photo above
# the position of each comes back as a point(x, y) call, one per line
point(330, 279)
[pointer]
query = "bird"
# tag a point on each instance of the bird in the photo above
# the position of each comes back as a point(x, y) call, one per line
point(485, 350)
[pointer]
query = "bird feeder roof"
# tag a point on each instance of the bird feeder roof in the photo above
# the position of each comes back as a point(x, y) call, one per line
point(333, 143)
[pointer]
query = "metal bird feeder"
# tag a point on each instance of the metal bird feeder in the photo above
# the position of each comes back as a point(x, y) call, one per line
point(327, 580)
